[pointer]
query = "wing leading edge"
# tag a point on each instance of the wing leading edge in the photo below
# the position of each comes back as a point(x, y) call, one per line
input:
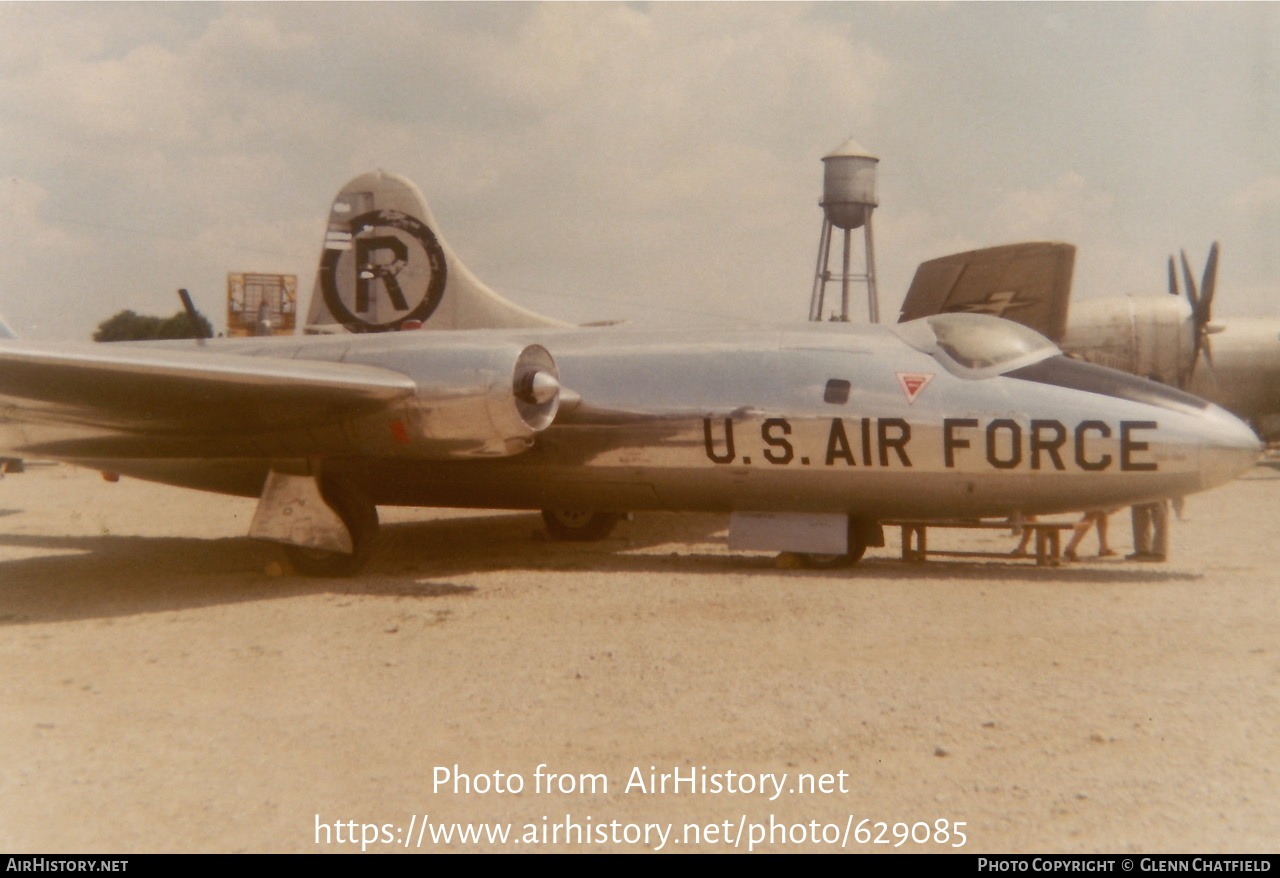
point(186, 391)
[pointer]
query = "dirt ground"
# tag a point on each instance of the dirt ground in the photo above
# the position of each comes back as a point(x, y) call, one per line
point(165, 686)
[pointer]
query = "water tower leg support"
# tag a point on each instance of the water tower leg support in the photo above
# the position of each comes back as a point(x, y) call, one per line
point(820, 273)
point(844, 279)
point(873, 295)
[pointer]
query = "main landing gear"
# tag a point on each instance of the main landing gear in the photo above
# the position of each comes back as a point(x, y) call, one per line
point(361, 519)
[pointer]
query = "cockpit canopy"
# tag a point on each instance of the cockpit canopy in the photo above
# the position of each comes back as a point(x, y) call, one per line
point(976, 345)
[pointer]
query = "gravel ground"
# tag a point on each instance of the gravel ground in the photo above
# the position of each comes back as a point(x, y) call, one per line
point(166, 686)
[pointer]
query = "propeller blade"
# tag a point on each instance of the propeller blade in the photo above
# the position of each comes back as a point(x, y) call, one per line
point(1191, 284)
point(1202, 309)
point(1206, 380)
point(1207, 286)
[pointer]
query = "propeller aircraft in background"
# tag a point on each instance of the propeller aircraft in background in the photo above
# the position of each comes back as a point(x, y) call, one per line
point(809, 435)
point(1234, 362)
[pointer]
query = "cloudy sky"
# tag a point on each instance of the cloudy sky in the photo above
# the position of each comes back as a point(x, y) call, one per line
point(657, 162)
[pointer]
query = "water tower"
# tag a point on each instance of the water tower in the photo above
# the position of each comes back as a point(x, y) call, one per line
point(848, 198)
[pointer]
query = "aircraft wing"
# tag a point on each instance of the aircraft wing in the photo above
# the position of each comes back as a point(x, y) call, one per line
point(1029, 283)
point(186, 391)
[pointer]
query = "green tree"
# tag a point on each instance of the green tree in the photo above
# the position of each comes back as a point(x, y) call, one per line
point(130, 326)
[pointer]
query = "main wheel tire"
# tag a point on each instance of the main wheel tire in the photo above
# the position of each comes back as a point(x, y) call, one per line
point(579, 527)
point(857, 548)
point(361, 518)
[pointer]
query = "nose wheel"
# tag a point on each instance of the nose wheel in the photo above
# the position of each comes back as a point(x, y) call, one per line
point(859, 539)
point(578, 526)
point(835, 562)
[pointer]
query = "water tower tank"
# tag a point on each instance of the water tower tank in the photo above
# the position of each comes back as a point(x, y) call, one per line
point(848, 185)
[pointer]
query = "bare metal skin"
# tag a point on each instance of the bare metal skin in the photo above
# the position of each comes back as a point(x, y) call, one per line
point(954, 415)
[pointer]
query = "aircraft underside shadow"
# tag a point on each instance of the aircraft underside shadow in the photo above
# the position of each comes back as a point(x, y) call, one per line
point(71, 578)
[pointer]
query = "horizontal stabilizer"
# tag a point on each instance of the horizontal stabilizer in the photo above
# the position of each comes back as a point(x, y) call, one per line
point(1029, 283)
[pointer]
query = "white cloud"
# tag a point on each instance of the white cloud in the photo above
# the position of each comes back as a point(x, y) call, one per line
point(1260, 200)
point(1068, 208)
point(29, 242)
point(656, 153)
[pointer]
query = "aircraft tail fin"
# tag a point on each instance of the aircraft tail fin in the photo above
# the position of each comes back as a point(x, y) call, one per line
point(385, 267)
point(5, 330)
point(1029, 283)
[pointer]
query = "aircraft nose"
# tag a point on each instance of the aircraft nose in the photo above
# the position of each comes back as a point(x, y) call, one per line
point(1228, 447)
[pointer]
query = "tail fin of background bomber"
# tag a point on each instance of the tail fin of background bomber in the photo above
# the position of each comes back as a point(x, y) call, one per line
point(385, 267)
point(1029, 283)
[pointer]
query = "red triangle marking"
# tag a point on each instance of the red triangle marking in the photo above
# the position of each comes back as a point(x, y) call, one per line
point(912, 383)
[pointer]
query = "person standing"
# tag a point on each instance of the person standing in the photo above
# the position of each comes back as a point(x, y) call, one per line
point(1150, 531)
point(1081, 529)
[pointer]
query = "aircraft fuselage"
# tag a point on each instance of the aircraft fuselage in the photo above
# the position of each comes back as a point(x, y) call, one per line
point(819, 418)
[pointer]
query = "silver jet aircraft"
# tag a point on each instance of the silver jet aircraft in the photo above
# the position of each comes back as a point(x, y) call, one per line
point(809, 435)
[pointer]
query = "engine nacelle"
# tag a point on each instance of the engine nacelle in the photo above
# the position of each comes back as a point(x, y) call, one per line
point(484, 401)
point(1149, 336)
